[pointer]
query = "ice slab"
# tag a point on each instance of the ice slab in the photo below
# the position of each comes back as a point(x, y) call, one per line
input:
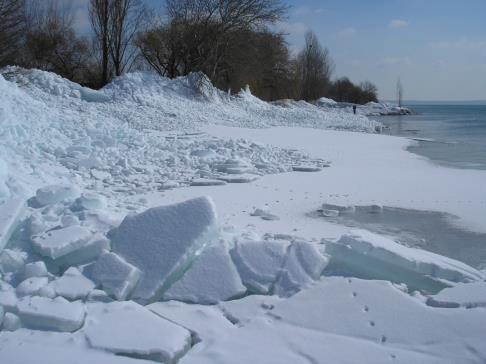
point(306, 168)
point(8, 298)
point(35, 269)
point(207, 182)
point(240, 178)
point(367, 255)
point(55, 193)
point(463, 294)
point(11, 322)
point(244, 310)
point(116, 277)
point(30, 346)
point(12, 260)
point(304, 264)
point(10, 213)
point(31, 286)
point(73, 285)
point(90, 201)
point(206, 323)
point(211, 278)
point(126, 328)
point(259, 263)
point(57, 243)
point(56, 314)
point(162, 241)
point(87, 253)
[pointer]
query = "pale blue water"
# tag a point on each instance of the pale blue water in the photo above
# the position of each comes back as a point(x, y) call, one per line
point(458, 133)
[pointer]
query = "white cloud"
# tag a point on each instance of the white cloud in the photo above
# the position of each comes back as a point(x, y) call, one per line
point(398, 23)
point(347, 32)
point(460, 44)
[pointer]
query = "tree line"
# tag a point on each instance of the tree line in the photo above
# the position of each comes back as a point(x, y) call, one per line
point(233, 42)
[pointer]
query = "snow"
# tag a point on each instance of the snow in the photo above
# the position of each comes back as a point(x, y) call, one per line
point(117, 277)
point(162, 241)
point(464, 295)
point(126, 328)
point(259, 263)
point(10, 214)
point(367, 255)
point(211, 278)
point(57, 243)
point(56, 314)
point(104, 189)
point(73, 285)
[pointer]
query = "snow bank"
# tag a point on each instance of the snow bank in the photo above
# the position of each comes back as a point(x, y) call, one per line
point(162, 241)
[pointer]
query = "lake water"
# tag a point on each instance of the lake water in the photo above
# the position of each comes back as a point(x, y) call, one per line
point(456, 134)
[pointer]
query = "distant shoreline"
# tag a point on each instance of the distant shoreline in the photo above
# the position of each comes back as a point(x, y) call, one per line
point(431, 102)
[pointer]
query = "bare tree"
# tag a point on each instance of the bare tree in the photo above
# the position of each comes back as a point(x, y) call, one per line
point(99, 14)
point(12, 26)
point(316, 68)
point(399, 92)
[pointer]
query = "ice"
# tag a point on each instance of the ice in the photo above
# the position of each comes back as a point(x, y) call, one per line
point(207, 182)
point(341, 209)
point(259, 263)
point(162, 241)
point(31, 286)
point(11, 322)
point(73, 285)
point(242, 311)
point(367, 255)
point(8, 298)
point(31, 346)
point(207, 323)
point(11, 260)
point(56, 193)
point(2, 314)
point(461, 295)
point(35, 269)
point(87, 253)
point(240, 178)
point(264, 214)
point(117, 277)
point(306, 168)
point(10, 214)
point(126, 328)
point(56, 314)
point(97, 295)
point(89, 201)
point(211, 278)
point(304, 265)
point(57, 243)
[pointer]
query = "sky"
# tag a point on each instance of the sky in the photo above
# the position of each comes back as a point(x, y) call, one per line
point(436, 47)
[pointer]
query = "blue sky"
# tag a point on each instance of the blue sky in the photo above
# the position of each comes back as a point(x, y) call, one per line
point(436, 47)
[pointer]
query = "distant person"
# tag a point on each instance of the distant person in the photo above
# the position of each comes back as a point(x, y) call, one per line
point(354, 109)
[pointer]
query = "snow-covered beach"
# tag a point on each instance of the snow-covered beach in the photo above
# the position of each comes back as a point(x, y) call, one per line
point(113, 254)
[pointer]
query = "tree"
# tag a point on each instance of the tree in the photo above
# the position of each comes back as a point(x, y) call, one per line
point(12, 26)
point(99, 14)
point(316, 68)
point(399, 92)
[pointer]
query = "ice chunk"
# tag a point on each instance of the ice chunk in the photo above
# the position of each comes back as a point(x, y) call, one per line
point(341, 209)
point(463, 294)
point(10, 213)
point(90, 201)
point(162, 241)
point(207, 323)
point(367, 255)
point(207, 182)
point(304, 265)
point(55, 193)
point(87, 253)
point(211, 278)
point(2, 314)
point(12, 260)
point(240, 178)
point(56, 314)
point(246, 309)
point(97, 295)
point(126, 328)
point(8, 298)
point(117, 277)
point(31, 286)
point(35, 269)
point(306, 168)
point(72, 285)
point(259, 263)
point(56, 243)
point(11, 322)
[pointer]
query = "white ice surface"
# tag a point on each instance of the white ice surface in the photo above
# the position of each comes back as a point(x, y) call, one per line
point(73, 285)
point(130, 329)
point(10, 213)
point(56, 314)
point(211, 278)
point(161, 242)
point(57, 243)
point(116, 277)
point(467, 295)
